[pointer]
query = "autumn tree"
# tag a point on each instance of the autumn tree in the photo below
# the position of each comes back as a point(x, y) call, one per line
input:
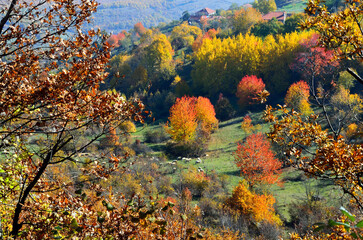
point(244, 19)
point(256, 161)
point(158, 57)
point(248, 89)
point(190, 117)
point(182, 120)
point(316, 64)
point(50, 76)
point(184, 35)
point(297, 97)
point(206, 115)
point(257, 207)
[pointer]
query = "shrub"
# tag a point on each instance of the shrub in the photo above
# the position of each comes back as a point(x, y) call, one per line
point(224, 109)
point(156, 136)
point(187, 149)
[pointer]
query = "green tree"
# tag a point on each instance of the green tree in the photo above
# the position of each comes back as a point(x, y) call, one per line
point(264, 28)
point(265, 6)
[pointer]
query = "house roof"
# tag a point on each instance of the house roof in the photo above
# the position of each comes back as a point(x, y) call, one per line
point(247, 5)
point(281, 16)
point(209, 11)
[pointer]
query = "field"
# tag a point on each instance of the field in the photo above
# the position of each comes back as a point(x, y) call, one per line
point(220, 159)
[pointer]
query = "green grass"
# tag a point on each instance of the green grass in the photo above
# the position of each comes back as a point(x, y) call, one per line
point(220, 158)
point(296, 6)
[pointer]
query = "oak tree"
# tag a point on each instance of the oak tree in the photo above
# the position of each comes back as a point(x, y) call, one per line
point(49, 83)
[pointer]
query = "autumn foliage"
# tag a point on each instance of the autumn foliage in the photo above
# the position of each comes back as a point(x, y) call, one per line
point(256, 161)
point(187, 114)
point(258, 207)
point(297, 97)
point(248, 89)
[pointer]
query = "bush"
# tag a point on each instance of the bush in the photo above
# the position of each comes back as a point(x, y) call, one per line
point(186, 149)
point(140, 148)
point(156, 136)
point(224, 109)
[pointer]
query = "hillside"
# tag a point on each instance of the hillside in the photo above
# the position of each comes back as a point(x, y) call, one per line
point(117, 15)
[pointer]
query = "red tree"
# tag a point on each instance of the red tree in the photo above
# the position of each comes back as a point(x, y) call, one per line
point(248, 89)
point(315, 63)
point(256, 160)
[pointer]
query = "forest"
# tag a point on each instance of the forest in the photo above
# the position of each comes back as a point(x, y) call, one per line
point(225, 127)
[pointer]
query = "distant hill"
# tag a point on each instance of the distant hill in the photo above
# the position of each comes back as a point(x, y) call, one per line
point(117, 15)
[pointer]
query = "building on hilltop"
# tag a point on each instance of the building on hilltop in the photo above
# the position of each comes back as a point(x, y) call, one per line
point(204, 13)
point(280, 16)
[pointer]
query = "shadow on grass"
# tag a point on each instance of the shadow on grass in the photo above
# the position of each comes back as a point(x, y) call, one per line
point(228, 123)
point(234, 173)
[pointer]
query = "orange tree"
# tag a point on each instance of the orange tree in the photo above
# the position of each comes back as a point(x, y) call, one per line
point(50, 71)
point(190, 116)
point(257, 161)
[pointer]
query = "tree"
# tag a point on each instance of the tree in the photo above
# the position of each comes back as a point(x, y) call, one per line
point(158, 57)
point(298, 97)
point(265, 6)
point(50, 76)
point(139, 29)
point(248, 89)
point(184, 35)
point(264, 28)
point(182, 121)
point(256, 161)
point(293, 23)
point(190, 117)
point(258, 207)
point(347, 39)
point(206, 115)
point(244, 19)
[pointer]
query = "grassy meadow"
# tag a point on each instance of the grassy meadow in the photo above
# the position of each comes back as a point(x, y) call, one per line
point(219, 158)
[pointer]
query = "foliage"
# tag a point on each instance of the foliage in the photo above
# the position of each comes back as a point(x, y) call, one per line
point(127, 127)
point(347, 39)
point(292, 23)
point(346, 105)
point(184, 35)
point(264, 28)
point(183, 122)
point(139, 29)
point(265, 6)
point(158, 57)
point(50, 91)
point(244, 19)
point(256, 161)
point(220, 63)
point(206, 115)
point(316, 64)
point(224, 109)
point(156, 136)
point(187, 114)
point(332, 158)
point(297, 97)
point(258, 207)
point(248, 89)
point(346, 80)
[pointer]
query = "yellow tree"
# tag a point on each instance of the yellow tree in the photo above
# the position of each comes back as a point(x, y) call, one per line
point(184, 35)
point(244, 19)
